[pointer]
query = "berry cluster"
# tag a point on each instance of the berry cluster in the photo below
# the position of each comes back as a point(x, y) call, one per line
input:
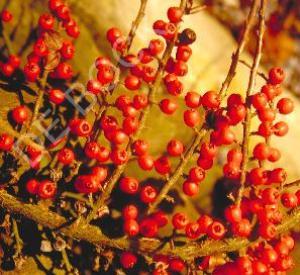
point(92, 158)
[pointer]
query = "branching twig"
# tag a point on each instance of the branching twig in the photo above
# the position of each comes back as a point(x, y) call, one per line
point(93, 234)
point(203, 132)
point(109, 185)
point(178, 171)
point(251, 85)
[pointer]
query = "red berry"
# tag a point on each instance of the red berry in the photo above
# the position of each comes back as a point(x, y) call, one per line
point(128, 260)
point(180, 68)
point(119, 156)
point(192, 230)
point(216, 230)
point(148, 194)
point(32, 186)
point(162, 165)
point(146, 162)
point(169, 31)
point(259, 101)
point(161, 218)
point(148, 228)
point(20, 114)
point(175, 148)
point(131, 227)
point(113, 34)
point(233, 213)
point(210, 100)
point(276, 75)
point(130, 211)
point(46, 21)
point(175, 14)
point(7, 69)
point(270, 91)
point(67, 50)
point(266, 114)
point(269, 256)
point(285, 106)
point(46, 189)
point(190, 188)
point(168, 106)
point(183, 53)
point(140, 147)
point(275, 155)
point(232, 170)
point(192, 118)
point(236, 114)
point(14, 60)
point(158, 26)
point(270, 195)
point(258, 176)
point(129, 185)
point(235, 156)
point(180, 221)
point(6, 142)
point(100, 172)
point(192, 100)
point(132, 82)
point(259, 268)
point(94, 86)
point(289, 200)
point(205, 164)
point(267, 230)
point(66, 156)
point(32, 71)
point(6, 16)
point(280, 128)
point(196, 174)
point(278, 175)
point(234, 100)
point(176, 265)
point(204, 221)
point(64, 71)
point(140, 101)
point(261, 151)
point(156, 46)
point(241, 228)
point(56, 96)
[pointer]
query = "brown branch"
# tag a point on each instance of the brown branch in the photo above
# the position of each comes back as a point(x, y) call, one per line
point(92, 234)
point(136, 23)
point(241, 45)
point(251, 85)
point(295, 183)
point(110, 183)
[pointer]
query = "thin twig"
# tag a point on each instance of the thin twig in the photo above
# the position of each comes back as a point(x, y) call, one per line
point(251, 85)
point(38, 101)
point(7, 41)
point(262, 75)
point(241, 45)
point(136, 23)
point(19, 242)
